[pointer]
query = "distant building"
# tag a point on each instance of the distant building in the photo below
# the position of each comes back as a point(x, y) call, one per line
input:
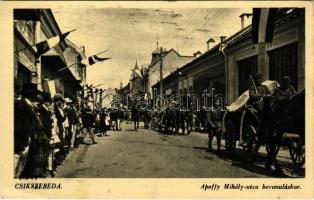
point(136, 81)
point(124, 92)
point(108, 97)
point(171, 60)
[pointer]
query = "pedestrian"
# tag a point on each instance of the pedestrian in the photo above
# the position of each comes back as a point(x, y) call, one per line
point(67, 129)
point(79, 126)
point(60, 118)
point(114, 119)
point(135, 117)
point(27, 127)
point(47, 121)
point(102, 123)
point(107, 119)
point(88, 120)
point(72, 115)
point(35, 165)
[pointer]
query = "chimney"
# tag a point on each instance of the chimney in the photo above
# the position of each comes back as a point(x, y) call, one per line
point(222, 39)
point(210, 40)
point(242, 16)
point(197, 54)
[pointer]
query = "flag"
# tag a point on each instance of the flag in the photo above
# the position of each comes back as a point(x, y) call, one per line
point(138, 73)
point(52, 87)
point(44, 46)
point(92, 60)
point(263, 24)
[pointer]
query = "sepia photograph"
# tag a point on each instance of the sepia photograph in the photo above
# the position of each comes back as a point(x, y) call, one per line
point(214, 92)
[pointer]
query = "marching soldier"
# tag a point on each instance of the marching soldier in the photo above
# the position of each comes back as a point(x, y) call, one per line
point(214, 119)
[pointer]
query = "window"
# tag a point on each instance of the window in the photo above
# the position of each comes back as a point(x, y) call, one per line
point(23, 76)
point(185, 83)
point(180, 85)
point(284, 62)
point(247, 67)
point(191, 81)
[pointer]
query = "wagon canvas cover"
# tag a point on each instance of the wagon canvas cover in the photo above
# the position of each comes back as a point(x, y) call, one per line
point(244, 97)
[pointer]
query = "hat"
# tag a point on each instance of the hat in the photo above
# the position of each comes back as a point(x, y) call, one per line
point(258, 76)
point(30, 89)
point(58, 97)
point(46, 96)
point(67, 100)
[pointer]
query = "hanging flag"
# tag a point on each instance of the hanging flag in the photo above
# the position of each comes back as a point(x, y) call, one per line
point(52, 87)
point(263, 24)
point(92, 60)
point(44, 46)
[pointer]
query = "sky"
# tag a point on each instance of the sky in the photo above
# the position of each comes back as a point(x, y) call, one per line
point(131, 34)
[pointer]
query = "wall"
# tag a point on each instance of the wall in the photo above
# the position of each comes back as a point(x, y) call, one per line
point(284, 34)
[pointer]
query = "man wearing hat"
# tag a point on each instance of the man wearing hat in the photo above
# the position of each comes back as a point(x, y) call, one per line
point(66, 123)
point(60, 118)
point(46, 118)
point(257, 90)
point(27, 129)
point(72, 117)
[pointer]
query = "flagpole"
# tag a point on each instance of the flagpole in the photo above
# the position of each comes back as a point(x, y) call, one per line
point(102, 52)
point(65, 67)
point(62, 69)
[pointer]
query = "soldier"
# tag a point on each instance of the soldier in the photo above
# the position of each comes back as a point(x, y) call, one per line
point(282, 96)
point(214, 119)
point(257, 91)
point(135, 117)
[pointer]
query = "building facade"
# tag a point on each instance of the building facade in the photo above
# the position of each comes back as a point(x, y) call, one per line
point(30, 27)
point(136, 81)
point(170, 59)
point(285, 56)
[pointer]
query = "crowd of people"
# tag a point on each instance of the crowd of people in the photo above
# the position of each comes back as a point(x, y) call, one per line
point(47, 128)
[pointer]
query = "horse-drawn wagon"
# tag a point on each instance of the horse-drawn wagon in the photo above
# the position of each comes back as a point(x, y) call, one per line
point(254, 129)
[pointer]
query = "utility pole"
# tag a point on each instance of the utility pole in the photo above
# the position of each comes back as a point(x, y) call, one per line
point(100, 97)
point(160, 71)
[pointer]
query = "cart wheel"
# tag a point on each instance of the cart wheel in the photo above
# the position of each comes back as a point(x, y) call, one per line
point(297, 154)
point(250, 144)
point(230, 137)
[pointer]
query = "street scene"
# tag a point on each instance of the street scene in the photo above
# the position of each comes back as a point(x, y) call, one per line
point(148, 154)
point(159, 93)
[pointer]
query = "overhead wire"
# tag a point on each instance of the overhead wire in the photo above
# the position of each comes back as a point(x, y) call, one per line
point(195, 27)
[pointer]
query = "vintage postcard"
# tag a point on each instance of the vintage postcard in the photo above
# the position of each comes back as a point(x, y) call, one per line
point(156, 99)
